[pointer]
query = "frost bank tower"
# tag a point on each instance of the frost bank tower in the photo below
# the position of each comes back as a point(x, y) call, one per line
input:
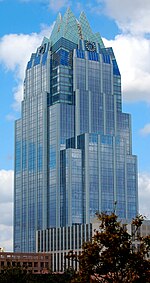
point(73, 143)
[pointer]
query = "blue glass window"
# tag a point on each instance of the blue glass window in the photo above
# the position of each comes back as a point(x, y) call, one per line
point(29, 65)
point(40, 157)
point(52, 157)
point(106, 140)
point(80, 44)
point(80, 54)
point(18, 156)
point(44, 58)
point(37, 60)
point(24, 155)
point(31, 160)
point(106, 58)
point(93, 56)
point(115, 68)
point(64, 57)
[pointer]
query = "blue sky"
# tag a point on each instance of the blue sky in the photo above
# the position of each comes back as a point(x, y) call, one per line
point(124, 25)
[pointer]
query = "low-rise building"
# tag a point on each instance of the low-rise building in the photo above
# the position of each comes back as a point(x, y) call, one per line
point(60, 241)
point(31, 262)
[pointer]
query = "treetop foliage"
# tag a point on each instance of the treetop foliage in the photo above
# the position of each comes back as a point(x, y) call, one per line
point(112, 255)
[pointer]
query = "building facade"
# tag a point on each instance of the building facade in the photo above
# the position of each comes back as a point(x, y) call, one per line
point(35, 263)
point(73, 143)
point(59, 242)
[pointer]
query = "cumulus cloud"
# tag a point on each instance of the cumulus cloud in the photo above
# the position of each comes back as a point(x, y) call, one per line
point(18, 93)
point(6, 209)
point(132, 55)
point(15, 52)
point(145, 131)
point(132, 52)
point(144, 194)
point(6, 186)
point(131, 16)
point(6, 214)
point(132, 46)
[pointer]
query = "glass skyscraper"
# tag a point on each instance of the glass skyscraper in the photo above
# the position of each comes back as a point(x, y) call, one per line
point(73, 143)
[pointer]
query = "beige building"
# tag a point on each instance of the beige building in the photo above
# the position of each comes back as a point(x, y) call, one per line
point(32, 262)
point(59, 241)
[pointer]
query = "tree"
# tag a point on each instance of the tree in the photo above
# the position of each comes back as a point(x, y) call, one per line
point(110, 255)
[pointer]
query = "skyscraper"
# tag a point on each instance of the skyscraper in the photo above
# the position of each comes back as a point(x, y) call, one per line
point(73, 144)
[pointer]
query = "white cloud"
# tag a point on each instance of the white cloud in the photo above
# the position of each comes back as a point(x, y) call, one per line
point(6, 214)
point(6, 236)
point(6, 186)
point(15, 52)
point(18, 95)
point(131, 16)
point(144, 194)
point(6, 209)
point(145, 131)
point(132, 47)
point(132, 55)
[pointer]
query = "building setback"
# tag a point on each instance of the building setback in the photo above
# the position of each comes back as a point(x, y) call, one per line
point(73, 144)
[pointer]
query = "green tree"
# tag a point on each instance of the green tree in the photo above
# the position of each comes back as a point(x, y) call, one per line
point(110, 255)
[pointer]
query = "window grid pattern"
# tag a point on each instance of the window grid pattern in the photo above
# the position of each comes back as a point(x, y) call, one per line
point(73, 152)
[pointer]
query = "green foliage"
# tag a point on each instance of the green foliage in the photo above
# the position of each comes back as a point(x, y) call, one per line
point(110, 256)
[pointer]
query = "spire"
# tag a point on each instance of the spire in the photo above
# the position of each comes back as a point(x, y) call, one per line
point(87, 31)
point(72, 29)
point(56, 29)
point(85, 26)
point(69, 26)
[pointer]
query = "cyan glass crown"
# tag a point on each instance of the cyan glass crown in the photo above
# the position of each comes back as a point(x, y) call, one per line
point(72, 29)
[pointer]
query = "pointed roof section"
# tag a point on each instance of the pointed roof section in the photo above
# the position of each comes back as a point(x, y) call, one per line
point(56, 29)
point(72, 29)
point(69, 26)
point(85, 26)
point(65, 27)
point(87, 33)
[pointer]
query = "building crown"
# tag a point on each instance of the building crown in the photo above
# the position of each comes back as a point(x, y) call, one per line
point(73, 29)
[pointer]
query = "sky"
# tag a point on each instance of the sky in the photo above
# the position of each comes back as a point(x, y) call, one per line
point(123, 25)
